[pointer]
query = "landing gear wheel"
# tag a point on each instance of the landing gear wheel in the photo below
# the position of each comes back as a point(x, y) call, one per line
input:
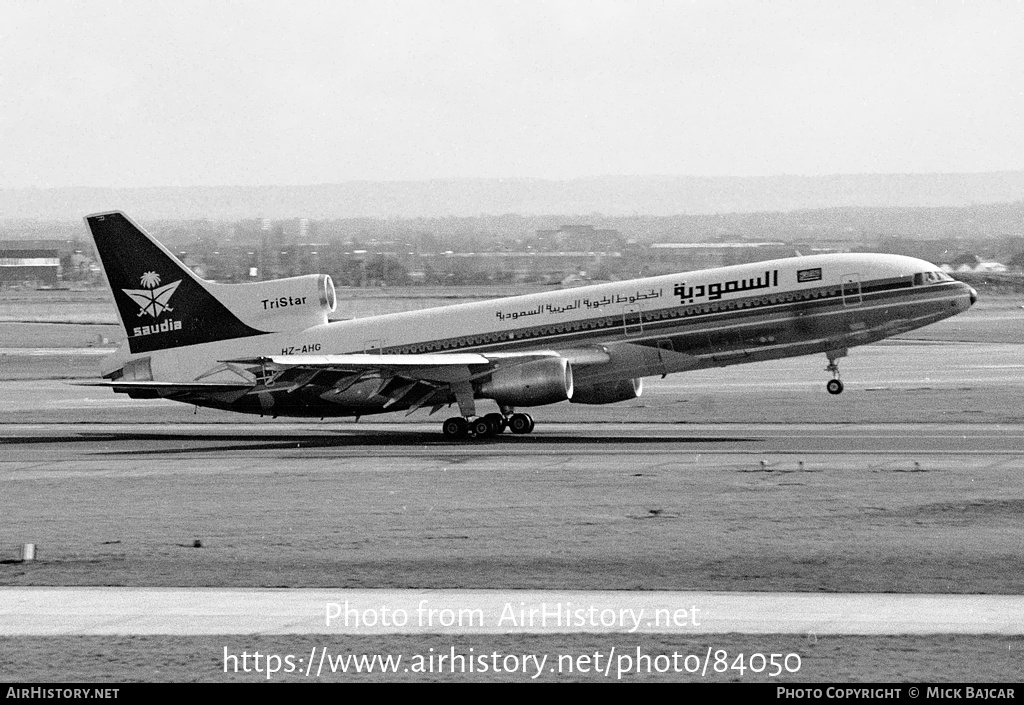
point(520, 423)
point(498, 421)
point(455, 427)
point(482, 427)
point(834, 386)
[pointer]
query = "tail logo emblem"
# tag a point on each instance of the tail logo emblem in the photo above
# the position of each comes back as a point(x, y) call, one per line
point(153, 300)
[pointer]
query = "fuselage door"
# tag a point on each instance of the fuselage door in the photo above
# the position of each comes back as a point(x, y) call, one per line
point(632, 319)
point(373, 346)
point(851, 290)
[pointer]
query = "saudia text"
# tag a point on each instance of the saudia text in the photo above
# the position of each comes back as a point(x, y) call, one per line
point(714, 291)
point(164, 327)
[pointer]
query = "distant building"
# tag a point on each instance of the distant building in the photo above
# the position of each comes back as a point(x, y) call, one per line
point(979, 268)
point(688, 256)
point(531, 266)
point(973, 263)
point(580, 237)
point(19, 265)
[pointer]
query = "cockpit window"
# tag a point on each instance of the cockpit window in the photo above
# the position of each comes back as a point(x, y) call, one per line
point(922, 278)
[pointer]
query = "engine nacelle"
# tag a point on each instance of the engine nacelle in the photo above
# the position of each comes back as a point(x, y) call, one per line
point(609, 393)
point(295, 303)
point(534, 383)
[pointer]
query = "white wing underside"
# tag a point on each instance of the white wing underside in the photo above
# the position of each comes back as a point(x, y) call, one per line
point(417, 380)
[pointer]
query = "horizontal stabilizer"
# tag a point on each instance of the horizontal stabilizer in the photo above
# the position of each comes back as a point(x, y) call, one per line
point(169, 386)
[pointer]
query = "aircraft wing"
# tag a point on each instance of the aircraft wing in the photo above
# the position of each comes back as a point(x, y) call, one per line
point(395, 362)
point(276, 371)
point(360, 361)
point(417, 379)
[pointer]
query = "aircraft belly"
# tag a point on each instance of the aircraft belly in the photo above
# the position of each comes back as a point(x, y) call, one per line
point(806, 330)
point(359, 399)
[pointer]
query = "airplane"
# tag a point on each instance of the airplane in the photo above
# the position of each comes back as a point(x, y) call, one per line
point(269, 348)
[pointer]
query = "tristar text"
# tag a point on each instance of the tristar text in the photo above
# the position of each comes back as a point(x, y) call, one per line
point(283, 302)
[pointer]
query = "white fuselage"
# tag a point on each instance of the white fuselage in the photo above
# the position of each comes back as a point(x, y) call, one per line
point(635, 328)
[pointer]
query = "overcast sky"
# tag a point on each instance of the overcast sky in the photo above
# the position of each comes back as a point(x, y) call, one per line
point(222, 93)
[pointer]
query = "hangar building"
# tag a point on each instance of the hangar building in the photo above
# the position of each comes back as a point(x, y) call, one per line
point(19, 265)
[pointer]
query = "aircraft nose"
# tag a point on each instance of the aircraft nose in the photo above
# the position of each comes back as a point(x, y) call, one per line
point(974, 296)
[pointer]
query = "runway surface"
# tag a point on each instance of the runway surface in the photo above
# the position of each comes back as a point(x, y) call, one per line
point(26, 445)
point(747, 492)
point(894, 508)
point(925, 508)
point(897, 382)
point(907, 482)
point(99, 611)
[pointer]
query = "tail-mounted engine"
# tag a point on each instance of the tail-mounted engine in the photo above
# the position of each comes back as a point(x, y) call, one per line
point(281, 304)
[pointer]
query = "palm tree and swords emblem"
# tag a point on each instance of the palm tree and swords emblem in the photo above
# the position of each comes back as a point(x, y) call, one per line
point(153, 299)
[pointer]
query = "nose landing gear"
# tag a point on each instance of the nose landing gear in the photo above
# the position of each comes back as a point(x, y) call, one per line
point(835, 385)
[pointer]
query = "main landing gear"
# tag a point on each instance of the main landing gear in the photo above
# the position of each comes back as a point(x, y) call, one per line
point(486, 426)
point(835, 385)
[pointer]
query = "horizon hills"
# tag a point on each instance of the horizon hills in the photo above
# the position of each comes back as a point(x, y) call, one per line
point(468, 197)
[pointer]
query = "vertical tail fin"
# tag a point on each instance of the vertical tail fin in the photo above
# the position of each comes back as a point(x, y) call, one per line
point(160, 302)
